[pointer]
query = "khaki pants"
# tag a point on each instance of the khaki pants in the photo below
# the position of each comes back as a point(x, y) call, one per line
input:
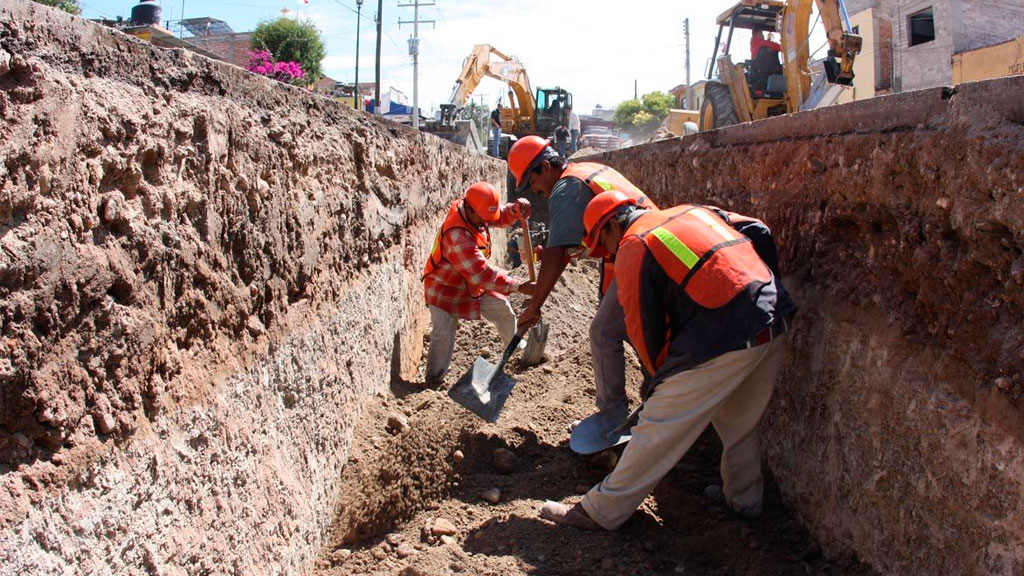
point(730, 392)
point(443, 326)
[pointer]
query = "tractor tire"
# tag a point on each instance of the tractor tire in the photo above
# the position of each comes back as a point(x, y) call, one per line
point(717, 111)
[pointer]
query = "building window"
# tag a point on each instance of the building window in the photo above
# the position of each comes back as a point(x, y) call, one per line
point(922, 26)
point(855, 30)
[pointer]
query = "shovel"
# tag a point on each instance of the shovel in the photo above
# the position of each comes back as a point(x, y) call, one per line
point(533, 354)
point(592, 435)
point(484, 389)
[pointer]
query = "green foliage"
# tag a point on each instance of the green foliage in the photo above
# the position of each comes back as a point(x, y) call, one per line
point(481, 117)
point(292, 41)
point(642, 117)
point(69, 6)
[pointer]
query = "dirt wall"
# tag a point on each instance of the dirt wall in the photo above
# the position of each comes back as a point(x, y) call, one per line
point(897, 427)
point(202, 274)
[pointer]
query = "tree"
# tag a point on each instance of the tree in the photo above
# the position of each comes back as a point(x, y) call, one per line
point(642, 117)
point(480, 116)
point(292, 41)
point(69, 6)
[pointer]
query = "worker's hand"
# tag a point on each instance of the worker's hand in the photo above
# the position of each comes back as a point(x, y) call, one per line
point(529, 317)
point(521, 209)
point(527, 288)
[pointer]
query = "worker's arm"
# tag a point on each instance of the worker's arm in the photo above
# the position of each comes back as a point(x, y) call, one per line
point(514, 212)
point(569, 198)
point(642, 304)
point(552, 263)
point(460, 249)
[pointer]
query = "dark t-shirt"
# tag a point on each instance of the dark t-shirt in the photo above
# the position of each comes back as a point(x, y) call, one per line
point(495, 118)
point(569, 198)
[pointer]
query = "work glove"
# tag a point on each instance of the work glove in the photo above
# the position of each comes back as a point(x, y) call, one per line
point(521, 209)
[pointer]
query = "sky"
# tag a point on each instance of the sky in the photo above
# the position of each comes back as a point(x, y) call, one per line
point(596, 49)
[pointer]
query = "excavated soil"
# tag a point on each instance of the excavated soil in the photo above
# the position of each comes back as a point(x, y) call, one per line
point(402, 484)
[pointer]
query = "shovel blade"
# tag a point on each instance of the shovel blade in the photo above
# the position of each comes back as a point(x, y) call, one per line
point(483, 390)
point(537, 340)
point(594, 434)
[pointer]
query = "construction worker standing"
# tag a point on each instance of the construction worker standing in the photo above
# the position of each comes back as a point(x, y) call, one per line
point(569, 186)
point(705, 311)
point(457, 280)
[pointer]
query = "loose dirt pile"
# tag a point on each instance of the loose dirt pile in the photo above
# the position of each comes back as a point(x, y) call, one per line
point(432, 489)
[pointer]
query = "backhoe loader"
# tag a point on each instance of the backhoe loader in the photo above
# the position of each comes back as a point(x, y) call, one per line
point(763, 86)
point(528, 114)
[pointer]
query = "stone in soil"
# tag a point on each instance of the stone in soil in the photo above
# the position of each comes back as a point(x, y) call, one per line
point(397, 423)
point(458, 456)
point(405, 550)
point(443, 527)
point(504, 460)
point(492, 495)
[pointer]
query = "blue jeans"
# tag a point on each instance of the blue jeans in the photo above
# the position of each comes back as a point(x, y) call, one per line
point(496, 136)
point(575, 145)
point(561, 148)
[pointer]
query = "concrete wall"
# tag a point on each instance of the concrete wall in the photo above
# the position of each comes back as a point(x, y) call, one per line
point(1004, 59)
point(897, 428)
point(202, 274)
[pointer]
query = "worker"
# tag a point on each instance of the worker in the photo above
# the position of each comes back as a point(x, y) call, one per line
point(764, 62)
point(758, 41)
point(514, 257)
point(574, 131)
point(561, 138)
point(569, 186)
point(496, 130)
point(459, 283)
point(705, 311)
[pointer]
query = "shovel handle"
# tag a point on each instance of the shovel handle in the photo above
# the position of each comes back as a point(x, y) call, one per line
point(528, 249)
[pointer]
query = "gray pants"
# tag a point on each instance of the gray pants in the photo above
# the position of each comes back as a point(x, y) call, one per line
point(607, 352)
point(442, 333)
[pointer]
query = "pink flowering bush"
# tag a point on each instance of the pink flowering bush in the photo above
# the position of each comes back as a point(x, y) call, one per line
point(262, 63)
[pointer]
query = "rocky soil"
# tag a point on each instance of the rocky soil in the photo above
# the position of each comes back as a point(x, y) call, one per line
point(431, 489)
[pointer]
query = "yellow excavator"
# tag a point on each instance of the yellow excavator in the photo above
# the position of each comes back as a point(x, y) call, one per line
point(528, 113)
point(764, 86)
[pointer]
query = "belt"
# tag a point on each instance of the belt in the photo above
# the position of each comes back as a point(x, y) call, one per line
point(776, 329)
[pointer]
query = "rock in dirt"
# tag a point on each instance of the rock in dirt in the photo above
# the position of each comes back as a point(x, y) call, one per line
point(405, 550)
point(446, 540)
point(393, 539)
point(397, 423)
point(492, 495)
point(504, 460)
point(604, 460)
point(443, 527)
point(412, 571)
point(458, 456)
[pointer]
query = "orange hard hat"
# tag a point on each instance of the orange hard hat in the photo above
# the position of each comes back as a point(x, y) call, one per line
point(485, 201)
point(524, 156)
point(597, 213)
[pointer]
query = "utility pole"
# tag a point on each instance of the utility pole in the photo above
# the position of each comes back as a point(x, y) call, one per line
point(635, 96)
point(414, 51)
point(689, 93)
point(376, 84)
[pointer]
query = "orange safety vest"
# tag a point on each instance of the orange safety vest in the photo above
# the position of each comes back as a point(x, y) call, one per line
point(702, 253)
point(456, 219)
point(600, 178)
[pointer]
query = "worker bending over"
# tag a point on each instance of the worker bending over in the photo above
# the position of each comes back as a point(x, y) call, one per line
point(569, 186)
point(704, 309)
point(459, 283)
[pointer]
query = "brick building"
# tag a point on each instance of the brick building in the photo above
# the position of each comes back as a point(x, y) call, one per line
point(217, 37)
point(909, 44)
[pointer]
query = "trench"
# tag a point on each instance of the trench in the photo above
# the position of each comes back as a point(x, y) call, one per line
point(398, 483)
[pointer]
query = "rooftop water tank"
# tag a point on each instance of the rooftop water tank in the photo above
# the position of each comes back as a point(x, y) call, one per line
point(147, 13)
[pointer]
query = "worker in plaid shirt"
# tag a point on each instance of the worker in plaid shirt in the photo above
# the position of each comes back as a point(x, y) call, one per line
point(457, 280)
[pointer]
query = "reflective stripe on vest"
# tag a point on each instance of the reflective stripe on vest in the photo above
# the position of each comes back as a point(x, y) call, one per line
point(455, 219)
point(701, 253)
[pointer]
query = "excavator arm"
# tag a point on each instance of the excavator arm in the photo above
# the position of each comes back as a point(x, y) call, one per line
point(508, 69)
point(843, 44)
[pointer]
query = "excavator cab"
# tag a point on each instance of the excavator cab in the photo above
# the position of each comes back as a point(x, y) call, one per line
point(552, 109)
point(764, 86)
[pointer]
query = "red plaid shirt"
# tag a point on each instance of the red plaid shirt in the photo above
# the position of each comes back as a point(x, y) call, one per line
point(463, 265)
